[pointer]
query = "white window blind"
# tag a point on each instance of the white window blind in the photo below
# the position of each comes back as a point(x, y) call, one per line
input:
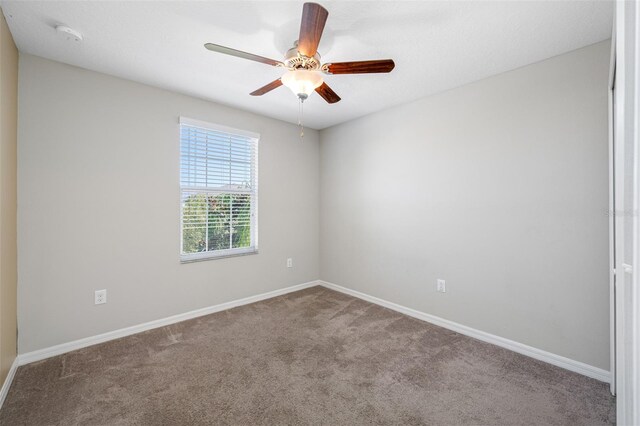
point(218, 190)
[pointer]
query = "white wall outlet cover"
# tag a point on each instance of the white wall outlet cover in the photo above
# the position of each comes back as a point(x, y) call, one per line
point(289, 263)
point(100, 297)
point(441, 286)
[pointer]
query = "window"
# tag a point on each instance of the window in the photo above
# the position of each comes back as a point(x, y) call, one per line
point(218, 191)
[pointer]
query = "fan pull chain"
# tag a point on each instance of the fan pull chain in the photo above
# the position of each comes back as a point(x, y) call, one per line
point(300, 118)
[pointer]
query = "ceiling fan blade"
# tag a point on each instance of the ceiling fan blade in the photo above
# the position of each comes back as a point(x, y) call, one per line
point(240, 54)
point(359, 67)
point(269, 87)
point(327, 93)
point(314, 17)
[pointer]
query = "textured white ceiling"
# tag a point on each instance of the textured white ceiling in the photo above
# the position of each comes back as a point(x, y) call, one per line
point(436, 45)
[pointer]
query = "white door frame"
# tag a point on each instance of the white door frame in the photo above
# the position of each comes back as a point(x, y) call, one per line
point(611, 215)
point(627, 145)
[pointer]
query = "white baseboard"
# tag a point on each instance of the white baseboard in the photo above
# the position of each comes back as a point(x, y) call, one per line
point(7, 381)
point(557, 360)
point(49, 352)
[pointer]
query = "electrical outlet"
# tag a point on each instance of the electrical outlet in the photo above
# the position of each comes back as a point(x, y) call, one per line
point(441, 286)
point(100, 297)
point(289, 263)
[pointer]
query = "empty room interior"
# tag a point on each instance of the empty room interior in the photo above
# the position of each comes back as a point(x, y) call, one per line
point(336, 213)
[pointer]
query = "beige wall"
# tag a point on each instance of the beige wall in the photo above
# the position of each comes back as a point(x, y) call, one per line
point(8, 251)
point(500, 188)
point(99, 206)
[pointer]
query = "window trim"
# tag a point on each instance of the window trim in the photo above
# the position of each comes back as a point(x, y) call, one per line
point(231, 252)
point(218, 254)
point(219, 128)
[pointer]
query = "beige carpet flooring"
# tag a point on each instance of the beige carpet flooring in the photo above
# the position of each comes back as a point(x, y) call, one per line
point(311, 357)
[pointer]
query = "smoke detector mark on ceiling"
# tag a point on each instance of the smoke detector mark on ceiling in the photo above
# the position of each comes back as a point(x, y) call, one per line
point(69, 33)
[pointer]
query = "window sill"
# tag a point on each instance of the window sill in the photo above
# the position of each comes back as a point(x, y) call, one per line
point(226, 255)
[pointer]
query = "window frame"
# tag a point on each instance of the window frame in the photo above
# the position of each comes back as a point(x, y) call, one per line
point(223, 253)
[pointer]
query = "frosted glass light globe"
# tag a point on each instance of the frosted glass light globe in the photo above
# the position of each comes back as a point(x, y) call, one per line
point(302, 82)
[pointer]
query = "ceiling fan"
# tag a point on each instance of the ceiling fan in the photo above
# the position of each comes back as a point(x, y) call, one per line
point(302, 61)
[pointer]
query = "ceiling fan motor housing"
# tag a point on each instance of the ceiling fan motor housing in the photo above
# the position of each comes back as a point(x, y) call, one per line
point(295, 60)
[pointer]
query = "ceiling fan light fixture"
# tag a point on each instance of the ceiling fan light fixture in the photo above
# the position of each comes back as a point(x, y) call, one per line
point(302, 82)
point(302, 62)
